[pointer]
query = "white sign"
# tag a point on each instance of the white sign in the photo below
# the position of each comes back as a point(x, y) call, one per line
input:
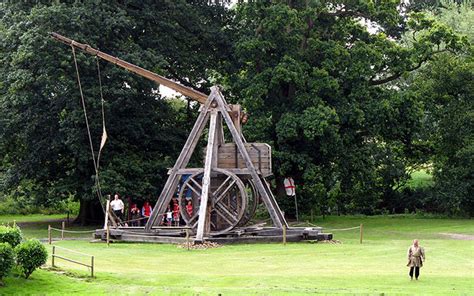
point(290, 186)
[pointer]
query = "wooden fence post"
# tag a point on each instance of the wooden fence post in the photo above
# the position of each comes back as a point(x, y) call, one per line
point(92, 266)
point(62, 229)
point(361, 232)
point(52, 256)
point(284, 235)
point(187, 238)
point(108, 234)
point(49, 234)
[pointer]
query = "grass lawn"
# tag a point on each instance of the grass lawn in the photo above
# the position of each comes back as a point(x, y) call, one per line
point(36, 225)
point(377, 266)
point(421, 178)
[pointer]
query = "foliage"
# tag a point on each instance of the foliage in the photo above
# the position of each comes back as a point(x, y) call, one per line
point(321, 88)
point(446, 88)
point(337, 88)
point(30, 255)
point(44, 147)
point(7, 260)
point(11, 235)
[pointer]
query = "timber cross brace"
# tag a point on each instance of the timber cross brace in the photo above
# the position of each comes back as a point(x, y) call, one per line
point(225, 193)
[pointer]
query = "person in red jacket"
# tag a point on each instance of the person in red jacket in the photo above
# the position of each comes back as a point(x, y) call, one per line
point(189, 208)
point(175, 212)
point(146, 211)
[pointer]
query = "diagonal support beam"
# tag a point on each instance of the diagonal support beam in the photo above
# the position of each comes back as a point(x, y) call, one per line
point(206, 179)
point(270, 202)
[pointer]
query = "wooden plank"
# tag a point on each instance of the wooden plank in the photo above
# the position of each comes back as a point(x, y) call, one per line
point(241, 163)
point(253, 156)
point(189, 171)
point(206, 179)
point(230, 147)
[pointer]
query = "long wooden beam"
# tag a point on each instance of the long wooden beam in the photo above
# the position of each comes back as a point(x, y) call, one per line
point(206, 180)
point(186, 91)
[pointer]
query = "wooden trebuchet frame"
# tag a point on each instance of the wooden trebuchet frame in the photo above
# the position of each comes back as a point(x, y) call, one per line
point(214, 109)
point(219, 191)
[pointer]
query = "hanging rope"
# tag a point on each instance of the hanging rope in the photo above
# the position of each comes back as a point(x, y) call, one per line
point(104, 131)
point(96, 168)
point(104, 136)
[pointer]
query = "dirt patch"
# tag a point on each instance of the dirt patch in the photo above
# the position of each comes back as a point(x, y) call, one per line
point(458, 236)
point(203, 246)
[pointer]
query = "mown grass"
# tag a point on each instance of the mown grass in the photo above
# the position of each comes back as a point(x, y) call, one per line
point(377, 266)
point(36, 225)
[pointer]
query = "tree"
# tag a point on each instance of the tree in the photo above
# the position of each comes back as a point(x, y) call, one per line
point(446, 87)
point(321, 87)
point(44, 144)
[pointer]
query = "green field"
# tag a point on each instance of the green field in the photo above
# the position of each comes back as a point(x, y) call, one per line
point(420, 179)
point(377, 266)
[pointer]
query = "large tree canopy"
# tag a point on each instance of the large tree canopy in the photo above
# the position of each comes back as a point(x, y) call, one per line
point(44, 144)
point(320, 80)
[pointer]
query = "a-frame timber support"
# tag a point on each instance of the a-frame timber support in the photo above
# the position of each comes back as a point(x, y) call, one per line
point(216, 111)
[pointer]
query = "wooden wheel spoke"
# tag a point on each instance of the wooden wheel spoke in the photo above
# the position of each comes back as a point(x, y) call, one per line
point(220, 208)
point(221, 186)
point(224, 217)
point(194, 217)
point(196, 183)
point(222, 195)
point(194, 189)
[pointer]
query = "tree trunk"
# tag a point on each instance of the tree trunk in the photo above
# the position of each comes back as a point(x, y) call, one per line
point(90, 213)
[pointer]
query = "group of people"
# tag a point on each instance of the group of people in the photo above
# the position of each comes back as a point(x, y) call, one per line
point(173, 215)
point(139, 217)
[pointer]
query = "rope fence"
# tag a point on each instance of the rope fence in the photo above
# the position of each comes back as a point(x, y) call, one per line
point(63, 231)
point(360, 227)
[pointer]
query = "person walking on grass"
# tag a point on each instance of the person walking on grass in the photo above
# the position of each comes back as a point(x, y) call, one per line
point(416, 257)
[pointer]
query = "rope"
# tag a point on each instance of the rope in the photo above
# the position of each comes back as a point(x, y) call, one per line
point(138, 219)
point(73, 231)
point(104, 131)
point(84, 107)
point(342, 229)
point(96, 165)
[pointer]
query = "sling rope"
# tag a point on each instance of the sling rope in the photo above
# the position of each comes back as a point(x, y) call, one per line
point(99, 194)
point(73, 231)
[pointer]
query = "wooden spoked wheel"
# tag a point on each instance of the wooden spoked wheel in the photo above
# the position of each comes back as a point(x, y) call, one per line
point(227, 200)
point(253, 200)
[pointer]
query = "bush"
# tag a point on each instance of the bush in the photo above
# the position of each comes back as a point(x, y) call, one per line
point(30, 255)
point(7, 260)
point(11, 235)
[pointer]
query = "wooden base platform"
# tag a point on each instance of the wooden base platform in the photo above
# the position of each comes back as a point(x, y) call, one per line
point(177, 235)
